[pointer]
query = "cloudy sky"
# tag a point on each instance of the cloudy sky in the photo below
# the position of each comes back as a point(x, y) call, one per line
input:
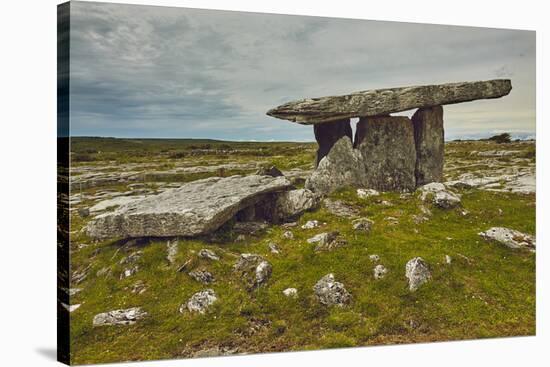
point(144, 71)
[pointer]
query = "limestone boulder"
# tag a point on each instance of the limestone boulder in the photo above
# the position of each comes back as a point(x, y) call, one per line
point(292, 203)
point(193, 209)
point(329, 292)
point(509, 238)
point(417, 272)
point(127, 316)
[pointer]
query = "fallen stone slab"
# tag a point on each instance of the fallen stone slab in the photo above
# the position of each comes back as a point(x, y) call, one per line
point(127, 316)
point(509, 238)
point(385, 101)
point(193, 209)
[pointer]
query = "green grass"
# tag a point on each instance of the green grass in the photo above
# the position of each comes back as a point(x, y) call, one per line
point(487, 291)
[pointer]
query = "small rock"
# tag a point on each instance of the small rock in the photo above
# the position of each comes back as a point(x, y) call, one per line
point(254, 269)
point(417, 272)
point(362, 225)
point(291, 292)
point(138, 287)
point(330, 292)
point(374, 258)
point(448, 259)
point(129, 272)
point(323, 238)
point(269, 171)
point(311, 224)
point(274, 248)
point(199, 302)
point(132, 258)
point(202, 276)
point(365, 193)
point(289, 224)
point(288, 235)
point(379, 271)
point(386, 203)
point(208, 254)
point(509, 237)
point(119, 317)
point(340, 209)
point(441, 197)
point(172, 251)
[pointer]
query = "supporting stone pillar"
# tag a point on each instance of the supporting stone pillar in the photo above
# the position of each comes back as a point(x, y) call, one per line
point(329, 133)
point(387, 146)
point(429, 142)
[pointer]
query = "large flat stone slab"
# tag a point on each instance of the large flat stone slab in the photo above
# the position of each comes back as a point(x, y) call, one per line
point(193, 209)
point(385, 101)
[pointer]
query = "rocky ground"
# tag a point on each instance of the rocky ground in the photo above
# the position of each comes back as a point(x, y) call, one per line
point(446, 262)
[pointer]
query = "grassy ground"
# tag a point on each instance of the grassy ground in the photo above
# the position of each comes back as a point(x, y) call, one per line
point(487, 290)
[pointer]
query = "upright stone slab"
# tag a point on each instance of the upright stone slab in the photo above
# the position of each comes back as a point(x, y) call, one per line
point(328, 134)
point(389, 155)
point(429, 143)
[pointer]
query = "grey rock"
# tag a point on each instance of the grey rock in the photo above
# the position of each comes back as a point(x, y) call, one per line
point(374, 258)
point(253, 269)
point(129, 272)
point(328, 134)
point(291, 292)
point(202, 276)
point(448, 259)
point(323, 238)
point(310, 224)
point(366, 193)
point(269, 171)
point(387, 146)
point(138, 287)
point(329, 292)
point(362, 225)
point(288, 235)
point(208, 254)
point(290, 204)
point(127, 316)
point(343, 166)
point(429, 138)
point(509, 238)
point(199, 302)
point(195, 208)
point(380, 271)
point(439, 195)
point(417, 272)
point(132, 258)
point(385, 101)
point(273, 248)
point(340, 208)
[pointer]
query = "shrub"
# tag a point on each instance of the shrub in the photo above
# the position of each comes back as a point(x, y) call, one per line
point(501, 138)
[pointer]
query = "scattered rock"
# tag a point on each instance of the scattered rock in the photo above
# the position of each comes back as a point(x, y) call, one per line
point(138, 287)
point(290, 204)
point(366, 193)
point(340, 209)
point(379, 271)
point(202, 276)
point(208, 254)
point(269, 171)
point(291, 292)
point(323, 238)
point(509, 237)
point(199, 302)
point(129, 272)
point(448, 259)
point(119, 317)
point(441, 197)
point(417, 272)
point(330, 292)
point(195, 208)
point(172, 251)
point(311, 224)
point(362, 224)
point(374, 258)
point(288, 235)
point(273, 248)
point(253, 269)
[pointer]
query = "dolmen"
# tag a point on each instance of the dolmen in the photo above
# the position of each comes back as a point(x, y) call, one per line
point(388, 153)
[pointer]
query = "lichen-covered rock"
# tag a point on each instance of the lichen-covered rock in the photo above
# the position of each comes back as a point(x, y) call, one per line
point(195, 208)
point(439, 195)
point(330, 292)
point(202, 276)
point(290, 204)
point(385, 101)
point(379, 271)
point(429, 139)
point(362, 225)
point(291, 292)
point(127, 316)
point(328, 134)
point(253, 269)
point(208, 254)
point(417, 272)
point(509, 238)
point(200, 301)
point(342, 166)
point(387, 146)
